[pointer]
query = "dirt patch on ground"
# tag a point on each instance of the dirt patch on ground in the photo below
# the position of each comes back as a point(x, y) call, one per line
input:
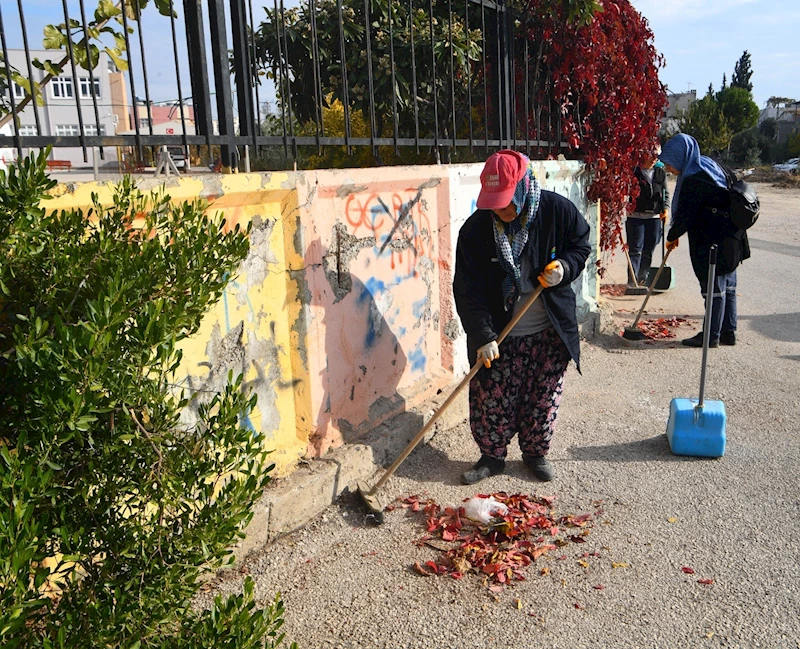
point(774, 178)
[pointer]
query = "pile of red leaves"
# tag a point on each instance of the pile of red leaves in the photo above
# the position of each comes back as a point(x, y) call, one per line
point(613, 290)
point(504, 547)
point(660, 328)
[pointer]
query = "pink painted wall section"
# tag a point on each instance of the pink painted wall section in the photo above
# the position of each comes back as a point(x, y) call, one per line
point(376, 249)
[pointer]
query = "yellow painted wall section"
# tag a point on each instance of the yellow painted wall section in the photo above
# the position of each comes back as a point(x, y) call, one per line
point(249, 331)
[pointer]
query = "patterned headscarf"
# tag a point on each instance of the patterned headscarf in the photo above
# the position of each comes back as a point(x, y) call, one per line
point(510, 238)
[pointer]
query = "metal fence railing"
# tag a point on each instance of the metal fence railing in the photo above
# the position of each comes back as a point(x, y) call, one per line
point(436, 75)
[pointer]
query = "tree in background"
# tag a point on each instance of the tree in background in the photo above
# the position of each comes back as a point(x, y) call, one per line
point(742, 73)
point(111, 509)
point(793, 145)
point(706, 123)
point(402, 89)
point(738, 107)
point(778, 102)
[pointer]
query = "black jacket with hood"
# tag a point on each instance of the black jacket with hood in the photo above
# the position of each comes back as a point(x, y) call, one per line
point(559, 231)
point(700, 212)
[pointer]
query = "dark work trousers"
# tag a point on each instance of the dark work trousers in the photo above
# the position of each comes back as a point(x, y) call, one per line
point(519, 393)
point(643, 237)
point(723, 305)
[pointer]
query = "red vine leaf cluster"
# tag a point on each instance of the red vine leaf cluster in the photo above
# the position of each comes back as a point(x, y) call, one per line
point(606, 96)
point(502, 549)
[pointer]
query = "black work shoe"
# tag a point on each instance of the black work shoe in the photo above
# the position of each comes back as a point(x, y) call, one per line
point(541, 467)
point(483, 468)
point(727, 338)
point(697, 341)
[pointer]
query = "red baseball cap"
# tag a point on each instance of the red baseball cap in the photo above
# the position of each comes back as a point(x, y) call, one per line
point(499, 178)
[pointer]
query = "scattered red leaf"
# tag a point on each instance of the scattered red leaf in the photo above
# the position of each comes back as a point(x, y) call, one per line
point(705, 582)
point(420, 570)
point(578, 606)
point(687, 570)
point(598, 587)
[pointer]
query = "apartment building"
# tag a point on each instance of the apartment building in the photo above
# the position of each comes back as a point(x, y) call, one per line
point(64, 97)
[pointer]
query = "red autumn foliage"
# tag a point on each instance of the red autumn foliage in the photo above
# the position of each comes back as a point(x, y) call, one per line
point(687, 570)
point(607, 98)
point(499, 550)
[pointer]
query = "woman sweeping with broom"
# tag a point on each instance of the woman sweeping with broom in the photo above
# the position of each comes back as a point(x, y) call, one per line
point(699, 206)
point(520, 236)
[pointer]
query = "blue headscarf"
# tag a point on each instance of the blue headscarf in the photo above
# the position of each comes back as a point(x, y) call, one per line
point(683, 153)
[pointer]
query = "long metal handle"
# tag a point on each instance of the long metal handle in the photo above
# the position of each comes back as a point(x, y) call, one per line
point(712, 268)
point(650, 289)
point(663, 241)
point(464, 382)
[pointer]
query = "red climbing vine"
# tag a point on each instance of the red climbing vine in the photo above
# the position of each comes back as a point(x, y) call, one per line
point(606, 96)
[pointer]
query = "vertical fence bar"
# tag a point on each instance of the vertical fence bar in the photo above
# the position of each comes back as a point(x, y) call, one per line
point(373, 125)
point(243, 69)
point(499, 71)
point(312, 10)
point(90, 69)
point(140, 35)
point(395, 117)
point(511, 83)
point(281, 91)
point(413, 72)
point(129, 58)
point(452, 70)
point(527, 103)
point(345, 90)
point(485, 81)
point(30, 68)
point(256, 80)
point(187, 153)
point(198, 69)
point(469, 75)
point(10, 82)
point(222, 81)
point(288, 82)
point(74, 69)
point(433, 73)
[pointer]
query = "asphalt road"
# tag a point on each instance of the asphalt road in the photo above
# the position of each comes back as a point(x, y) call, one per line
point(735, 520)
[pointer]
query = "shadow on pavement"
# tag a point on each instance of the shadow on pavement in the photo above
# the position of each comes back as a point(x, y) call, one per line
point(643, 450)
point(784, 327)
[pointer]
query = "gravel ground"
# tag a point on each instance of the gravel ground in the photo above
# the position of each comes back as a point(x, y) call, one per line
point(735, 520)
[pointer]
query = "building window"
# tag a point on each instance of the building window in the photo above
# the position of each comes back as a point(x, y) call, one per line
point(19, 91)
point(62, 87)
point(144, 122)
point(65, 130)
point(27, 130)
point(91, 129)
point(86, 87)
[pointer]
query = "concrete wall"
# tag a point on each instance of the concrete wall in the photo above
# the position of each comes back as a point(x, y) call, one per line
point(342, 315)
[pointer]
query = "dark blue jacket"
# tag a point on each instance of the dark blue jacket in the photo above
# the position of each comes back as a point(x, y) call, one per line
point(559, 232)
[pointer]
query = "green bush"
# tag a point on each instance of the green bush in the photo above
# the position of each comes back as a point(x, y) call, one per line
point(111, 510)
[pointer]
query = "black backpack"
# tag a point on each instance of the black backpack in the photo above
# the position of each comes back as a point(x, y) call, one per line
point(745, 206)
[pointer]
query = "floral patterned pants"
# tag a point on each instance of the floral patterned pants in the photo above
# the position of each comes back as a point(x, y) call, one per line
point(520, 393)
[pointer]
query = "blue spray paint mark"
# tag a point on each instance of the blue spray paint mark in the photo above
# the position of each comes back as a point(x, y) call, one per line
point(371, 288)
point(418, 308)
point(417, 358)
point(401, 332)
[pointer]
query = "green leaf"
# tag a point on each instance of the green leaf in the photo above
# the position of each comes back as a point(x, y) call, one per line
point(106, 9)
point(116, 55)
point(54, 39)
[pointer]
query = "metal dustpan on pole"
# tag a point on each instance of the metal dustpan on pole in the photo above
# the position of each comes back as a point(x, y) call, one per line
point(697, 428)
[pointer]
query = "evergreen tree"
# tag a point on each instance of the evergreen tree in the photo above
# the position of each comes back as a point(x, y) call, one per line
point(724, 81)
point(742, 73)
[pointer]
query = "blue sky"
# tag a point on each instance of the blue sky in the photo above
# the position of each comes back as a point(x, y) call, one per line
point(700, 40)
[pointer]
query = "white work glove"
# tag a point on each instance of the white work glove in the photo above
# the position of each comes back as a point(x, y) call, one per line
point(488, 353)
point(552, 274)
